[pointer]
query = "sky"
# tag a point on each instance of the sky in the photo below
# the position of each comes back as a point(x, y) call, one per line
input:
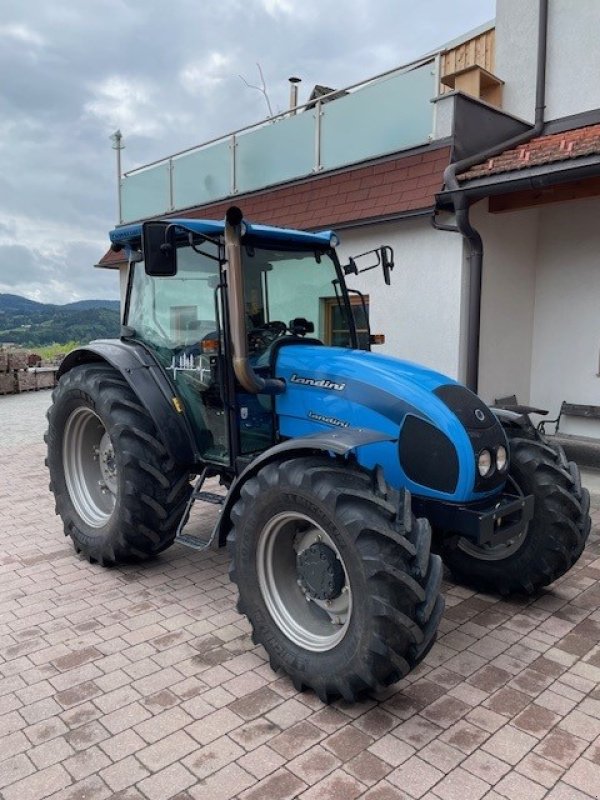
point(168, 76)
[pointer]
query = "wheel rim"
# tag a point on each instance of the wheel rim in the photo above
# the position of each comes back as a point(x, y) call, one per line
point(90, 468)
point(314, 624)
point(497, 552)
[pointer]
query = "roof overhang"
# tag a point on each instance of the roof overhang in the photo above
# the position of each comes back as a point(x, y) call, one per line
point(533, 178)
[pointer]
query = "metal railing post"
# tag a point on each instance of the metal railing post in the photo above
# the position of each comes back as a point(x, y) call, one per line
point(437, 76)
point(171, 191)
point(318, 114)
point(117, 144)
point(233, 148)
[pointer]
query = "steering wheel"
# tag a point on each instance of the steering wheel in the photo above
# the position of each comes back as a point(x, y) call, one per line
point(260, 338)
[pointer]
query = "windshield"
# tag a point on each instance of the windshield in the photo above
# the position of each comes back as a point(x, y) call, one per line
point(293, 292)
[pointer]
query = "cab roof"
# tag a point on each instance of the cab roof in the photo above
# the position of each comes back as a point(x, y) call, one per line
point(266, 235)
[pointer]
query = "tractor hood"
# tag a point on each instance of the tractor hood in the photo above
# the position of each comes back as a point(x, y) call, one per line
point(440, 425)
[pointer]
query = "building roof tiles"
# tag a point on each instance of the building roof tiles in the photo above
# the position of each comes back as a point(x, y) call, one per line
point(546, 149)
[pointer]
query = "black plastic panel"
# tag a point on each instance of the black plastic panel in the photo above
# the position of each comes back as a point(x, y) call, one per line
point(427, 456)
point(470, 410)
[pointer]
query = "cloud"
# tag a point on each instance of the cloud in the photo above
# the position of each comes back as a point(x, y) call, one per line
point(276, 7)
point(129, 103)
point(22, 34)
point(206, 74)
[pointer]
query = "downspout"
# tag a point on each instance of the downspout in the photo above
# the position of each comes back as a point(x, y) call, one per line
point(251, 382)
point(462, 203)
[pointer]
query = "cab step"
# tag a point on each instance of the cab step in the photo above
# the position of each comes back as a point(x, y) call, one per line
point(195, 542)
point(210, 497)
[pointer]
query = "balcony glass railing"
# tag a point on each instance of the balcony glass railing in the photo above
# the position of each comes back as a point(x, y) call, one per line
point(384, 115)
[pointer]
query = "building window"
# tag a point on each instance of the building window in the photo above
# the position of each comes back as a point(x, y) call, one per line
point(335, 330)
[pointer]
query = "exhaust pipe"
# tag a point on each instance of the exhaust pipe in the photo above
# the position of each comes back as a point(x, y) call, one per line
point(242, 368)
point(294, 93)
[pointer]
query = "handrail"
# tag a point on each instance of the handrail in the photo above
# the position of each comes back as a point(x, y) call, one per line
point(431, 58)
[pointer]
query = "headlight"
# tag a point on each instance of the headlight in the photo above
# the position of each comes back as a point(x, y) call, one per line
point(501, 458)
point(484, 463)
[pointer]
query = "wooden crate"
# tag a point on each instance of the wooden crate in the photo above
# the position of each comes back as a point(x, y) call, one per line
point(25, 381)
point(7, 382)
point(45, 379)
point(17, 359)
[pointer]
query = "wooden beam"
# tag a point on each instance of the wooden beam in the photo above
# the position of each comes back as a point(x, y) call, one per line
point(528, 198)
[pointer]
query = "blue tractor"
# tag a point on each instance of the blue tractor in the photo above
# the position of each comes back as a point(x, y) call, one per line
point(241, 357)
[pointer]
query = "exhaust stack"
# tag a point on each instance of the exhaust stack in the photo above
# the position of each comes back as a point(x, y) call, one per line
point(242, 368)
point(294, 93)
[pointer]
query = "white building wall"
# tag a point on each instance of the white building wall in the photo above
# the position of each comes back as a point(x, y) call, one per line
point(573, 60)
point(507, 302)
point(421, 312)
point(566, 337)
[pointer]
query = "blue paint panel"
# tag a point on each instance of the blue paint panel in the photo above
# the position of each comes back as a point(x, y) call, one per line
point(377, 392)
point(257, 234)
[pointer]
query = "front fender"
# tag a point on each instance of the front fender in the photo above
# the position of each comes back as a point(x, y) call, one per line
point(151, 386)
point(339, 442)
point(511, 420)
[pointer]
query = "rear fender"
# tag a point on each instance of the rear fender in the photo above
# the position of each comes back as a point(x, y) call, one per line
point(335, 443)
point(151, 386)
point(511, 420)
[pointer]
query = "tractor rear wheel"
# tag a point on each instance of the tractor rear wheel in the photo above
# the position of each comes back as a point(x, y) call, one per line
point(119, 493)
point(549, 545)
point(338, 584)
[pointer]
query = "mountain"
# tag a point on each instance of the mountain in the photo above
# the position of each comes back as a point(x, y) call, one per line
point(83, 305)
point(29, 323)
point(16, 303)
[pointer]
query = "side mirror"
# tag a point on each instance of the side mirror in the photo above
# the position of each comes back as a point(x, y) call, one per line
point(387, 263)
point(350, 268)
point(160, 249)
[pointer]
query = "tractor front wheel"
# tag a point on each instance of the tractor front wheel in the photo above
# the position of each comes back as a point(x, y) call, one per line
point(336, 580)
point(119, 493)
point(549, 545)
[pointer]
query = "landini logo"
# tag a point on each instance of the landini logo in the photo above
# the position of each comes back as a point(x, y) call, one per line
point(320, 383)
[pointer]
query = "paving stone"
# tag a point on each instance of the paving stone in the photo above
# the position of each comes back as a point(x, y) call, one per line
point(297, 739)
point(347, 743)
point(367, 768)
point(585, 776)
point(516, 787)
point(392, 750)
point(336, 786)
point(206, 760)
point(167, 750)
point(86, 762)
point(536, 720)
point(510, 744)
point(461, 785)
point(561, 747)
point(540, 770)
point(223, 785)
point(415, 777)
point(167, 783)
point(41, 784)
point(313, 765)
point(124, 773)
point(486, 766)
point(264, 760)
point(14, 769)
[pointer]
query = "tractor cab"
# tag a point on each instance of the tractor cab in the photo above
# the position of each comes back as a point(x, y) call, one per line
point(219, 346)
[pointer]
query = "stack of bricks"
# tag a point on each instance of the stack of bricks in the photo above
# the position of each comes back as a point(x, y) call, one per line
point(7, 379)
point(18, 364)
point(45, 378)
point(17, 376)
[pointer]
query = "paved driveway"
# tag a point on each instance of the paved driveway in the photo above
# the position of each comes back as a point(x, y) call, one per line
point(144, 682)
